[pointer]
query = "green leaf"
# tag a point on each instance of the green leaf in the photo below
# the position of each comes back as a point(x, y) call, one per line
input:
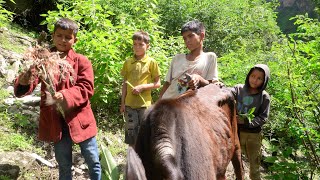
point(108, 164)
point(251, 111)
point(271, 159)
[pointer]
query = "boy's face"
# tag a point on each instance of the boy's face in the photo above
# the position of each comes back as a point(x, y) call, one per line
point(139, 47)
point(192, 40)
point(63, 39)
point(256, 79)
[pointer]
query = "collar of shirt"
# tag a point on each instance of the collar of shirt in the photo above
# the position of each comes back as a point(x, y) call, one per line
point(143, 60)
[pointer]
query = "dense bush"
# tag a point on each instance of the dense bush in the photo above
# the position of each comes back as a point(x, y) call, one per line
point(5, 15)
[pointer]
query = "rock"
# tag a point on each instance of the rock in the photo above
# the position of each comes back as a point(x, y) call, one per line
point(3, 66)
point(27, 112)
point(9, 101)
point(11, 56)
point(28, 100)
point(16, 66)
point(3, 29)
point(9, 170)
point(10, 89)
point(12, 163)
point(42, 160)
point(10, 76)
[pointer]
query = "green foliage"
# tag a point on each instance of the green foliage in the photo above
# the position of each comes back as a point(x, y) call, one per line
point(3, 93)
point(11, 39)
point(229, 24)
point(11, 136)
point(295, 107)
point(5, 15)
point(108, 164)
point(3, 177)
point(13, 127)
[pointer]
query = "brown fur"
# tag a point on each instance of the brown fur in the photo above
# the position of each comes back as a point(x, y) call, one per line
point(191, 137)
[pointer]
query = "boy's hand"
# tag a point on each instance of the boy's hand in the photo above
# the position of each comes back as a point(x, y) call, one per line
point(194, 82)
point(24, 79)
point(218, 83)
point(122, 108)
point(137, 89)
point(58, 97)
point(50, 100)
point(240, 120)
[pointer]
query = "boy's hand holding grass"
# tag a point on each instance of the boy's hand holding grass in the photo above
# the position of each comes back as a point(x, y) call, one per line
point(137, 89)
point(249, 116)
point(138, 93)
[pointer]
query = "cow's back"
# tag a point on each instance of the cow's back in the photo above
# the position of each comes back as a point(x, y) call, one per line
point(190, 137)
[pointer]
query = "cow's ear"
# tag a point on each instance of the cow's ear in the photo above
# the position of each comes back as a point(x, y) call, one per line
point(134, 167)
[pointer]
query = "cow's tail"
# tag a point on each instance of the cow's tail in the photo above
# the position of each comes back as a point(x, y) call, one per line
point(236, 158)
point(134, 167)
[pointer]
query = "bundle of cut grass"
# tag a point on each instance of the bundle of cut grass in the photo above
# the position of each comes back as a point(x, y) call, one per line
point(49, 67)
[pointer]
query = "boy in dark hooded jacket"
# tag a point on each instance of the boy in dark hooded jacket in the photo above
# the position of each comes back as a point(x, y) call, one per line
point(253, 104)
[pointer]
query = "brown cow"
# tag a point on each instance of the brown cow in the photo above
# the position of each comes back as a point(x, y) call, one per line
point(191, 137)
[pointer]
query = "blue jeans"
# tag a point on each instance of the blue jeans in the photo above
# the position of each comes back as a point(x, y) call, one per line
point(89, 150)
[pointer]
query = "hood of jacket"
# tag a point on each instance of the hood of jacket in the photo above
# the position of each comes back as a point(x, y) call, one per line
point(266, 71)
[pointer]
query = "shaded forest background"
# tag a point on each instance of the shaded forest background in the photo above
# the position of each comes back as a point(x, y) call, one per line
point(242, 33)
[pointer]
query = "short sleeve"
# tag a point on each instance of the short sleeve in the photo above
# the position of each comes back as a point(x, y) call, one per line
point(169, 73)
point(213, 67)
point(124, 70)
point(155, 71)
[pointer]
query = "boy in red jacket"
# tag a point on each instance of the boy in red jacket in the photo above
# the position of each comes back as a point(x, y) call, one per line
point(77, 123)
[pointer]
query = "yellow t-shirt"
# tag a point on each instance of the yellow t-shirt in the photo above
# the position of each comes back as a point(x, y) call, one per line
point(138, 72)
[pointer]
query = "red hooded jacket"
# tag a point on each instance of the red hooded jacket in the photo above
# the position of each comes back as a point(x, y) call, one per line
point(77, 109)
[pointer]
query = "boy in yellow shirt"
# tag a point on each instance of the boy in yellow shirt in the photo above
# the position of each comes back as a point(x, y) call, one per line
point(140, 74)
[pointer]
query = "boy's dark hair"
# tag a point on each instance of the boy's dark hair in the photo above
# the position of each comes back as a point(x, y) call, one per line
point(65, 23)
point(141, 35)
point(194, 26)
point(257, 68)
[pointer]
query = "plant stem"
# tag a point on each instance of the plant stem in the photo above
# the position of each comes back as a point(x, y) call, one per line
point(139, 94)
point(49, 84)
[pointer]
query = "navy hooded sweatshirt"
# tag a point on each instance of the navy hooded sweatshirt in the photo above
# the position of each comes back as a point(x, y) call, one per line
point(247, 101)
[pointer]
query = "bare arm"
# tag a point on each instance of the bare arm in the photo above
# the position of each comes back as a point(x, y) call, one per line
point(143, 87)
point(198, 81)
point(164, 88)
point(123, 95)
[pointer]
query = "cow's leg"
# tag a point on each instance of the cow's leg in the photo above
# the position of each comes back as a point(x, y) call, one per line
point(134, 168)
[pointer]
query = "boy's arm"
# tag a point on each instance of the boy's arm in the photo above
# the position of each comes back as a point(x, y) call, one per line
point(123, 96)
point(23, 86)
point(163, 89)
point(198, 81)
point(143, 87)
